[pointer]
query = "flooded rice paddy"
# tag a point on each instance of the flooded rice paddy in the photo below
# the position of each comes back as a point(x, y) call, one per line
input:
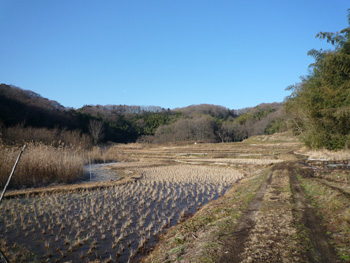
point(118, 223)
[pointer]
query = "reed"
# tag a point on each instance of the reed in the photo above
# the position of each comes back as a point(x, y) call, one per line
point(103, 155)
point(40, 165)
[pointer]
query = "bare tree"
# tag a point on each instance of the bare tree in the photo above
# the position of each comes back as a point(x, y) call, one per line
point(203, 129)
point(226, 131)
point(96, 130)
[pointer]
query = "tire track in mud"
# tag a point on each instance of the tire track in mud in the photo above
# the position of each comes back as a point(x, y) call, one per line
point(330, 185)
point(279, 225)
point(305, 215)
point(273, 237)
point(236, 245)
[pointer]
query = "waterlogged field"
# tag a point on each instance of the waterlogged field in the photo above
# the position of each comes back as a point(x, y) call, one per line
point(118, 216)
point(112, 224)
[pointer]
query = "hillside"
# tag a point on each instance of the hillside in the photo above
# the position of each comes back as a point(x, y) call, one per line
point(24, 106)
point(123, 123)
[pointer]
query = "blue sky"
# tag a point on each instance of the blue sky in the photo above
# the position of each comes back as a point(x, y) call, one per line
point(168, 53)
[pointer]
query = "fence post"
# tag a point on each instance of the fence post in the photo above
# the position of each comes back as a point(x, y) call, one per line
point(13, 170)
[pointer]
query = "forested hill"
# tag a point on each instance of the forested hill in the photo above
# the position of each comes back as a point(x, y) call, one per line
point(121, 123)
point(26, 107)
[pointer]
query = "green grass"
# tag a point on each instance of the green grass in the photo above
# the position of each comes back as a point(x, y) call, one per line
point(334, 209)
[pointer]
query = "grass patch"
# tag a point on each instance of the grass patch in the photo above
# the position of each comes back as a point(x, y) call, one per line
point(334, 209)
point(303, 239)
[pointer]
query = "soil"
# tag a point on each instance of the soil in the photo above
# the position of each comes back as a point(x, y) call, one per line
point(245, 225)
point(280, 225)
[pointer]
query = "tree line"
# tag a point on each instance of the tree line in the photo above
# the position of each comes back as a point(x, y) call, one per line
point(25, 115)
point(318, 108)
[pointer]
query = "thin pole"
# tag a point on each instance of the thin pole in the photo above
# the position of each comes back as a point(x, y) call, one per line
point(13, 170)
point(4, 257)
point(90, 166)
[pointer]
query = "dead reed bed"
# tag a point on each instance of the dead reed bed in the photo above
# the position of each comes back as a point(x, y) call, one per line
point(105, 154)
point(40, 165)
point(117, 223)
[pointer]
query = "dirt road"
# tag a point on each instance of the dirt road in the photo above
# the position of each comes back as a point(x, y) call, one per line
point(285, 210)
point(279, 225)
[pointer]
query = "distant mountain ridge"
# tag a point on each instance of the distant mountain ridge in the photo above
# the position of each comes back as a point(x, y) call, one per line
point(123, 123)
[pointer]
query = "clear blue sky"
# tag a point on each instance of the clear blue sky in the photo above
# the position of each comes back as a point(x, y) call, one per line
point(168, 53)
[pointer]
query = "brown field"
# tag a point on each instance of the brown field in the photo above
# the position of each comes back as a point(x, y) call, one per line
point(147, 207)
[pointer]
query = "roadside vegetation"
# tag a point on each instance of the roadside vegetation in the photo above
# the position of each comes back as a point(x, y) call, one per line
point(329, 194)
point(318, 107)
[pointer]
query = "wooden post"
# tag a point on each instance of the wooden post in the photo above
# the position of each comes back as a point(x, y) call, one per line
point(13, 170)
point(90, 166)
point(2, 255)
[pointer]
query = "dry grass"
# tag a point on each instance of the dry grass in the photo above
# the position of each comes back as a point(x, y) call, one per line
point(328, 155)
point(105, 154)
point(55, 137)
point(228, 161)
point(62, 162)
point(334, 208)
point(40, 165)
point(274, 138)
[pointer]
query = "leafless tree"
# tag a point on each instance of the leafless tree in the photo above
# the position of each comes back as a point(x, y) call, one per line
point(226, 131)
point(96, 130)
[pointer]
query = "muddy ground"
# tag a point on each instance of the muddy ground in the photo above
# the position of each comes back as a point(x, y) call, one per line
point(280, 225)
